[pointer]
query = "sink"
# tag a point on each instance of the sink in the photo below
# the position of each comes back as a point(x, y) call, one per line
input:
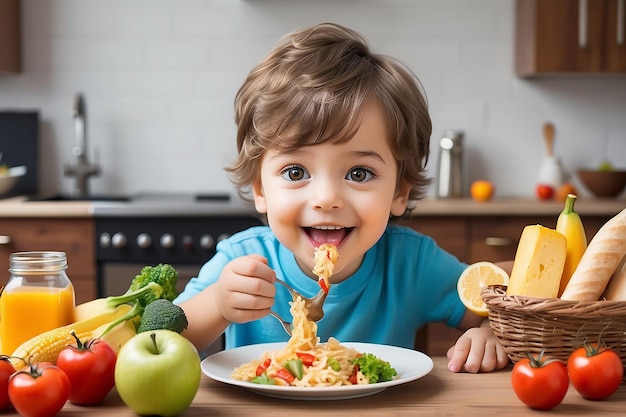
point(67, 197)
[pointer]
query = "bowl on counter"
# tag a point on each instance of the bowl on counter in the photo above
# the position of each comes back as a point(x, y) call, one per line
point(605, 184)
point(8, 178)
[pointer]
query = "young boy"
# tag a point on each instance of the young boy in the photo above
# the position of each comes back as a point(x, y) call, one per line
point(333, 142)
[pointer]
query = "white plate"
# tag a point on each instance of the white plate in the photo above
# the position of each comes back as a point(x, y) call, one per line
point(409, 364)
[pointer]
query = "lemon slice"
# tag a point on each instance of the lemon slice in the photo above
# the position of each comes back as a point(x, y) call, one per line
point(473, 279)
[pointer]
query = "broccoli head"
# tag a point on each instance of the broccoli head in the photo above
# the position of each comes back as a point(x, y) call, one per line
point(374, 368)
point(163, 314)
point(153, 283)
point(163, 274)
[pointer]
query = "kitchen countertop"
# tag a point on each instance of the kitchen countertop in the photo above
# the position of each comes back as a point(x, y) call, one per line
point(140, 205)
point(439, 393)
point(515, 207)
point(186, 205)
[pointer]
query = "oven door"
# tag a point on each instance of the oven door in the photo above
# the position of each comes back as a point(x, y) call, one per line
point(112, 284)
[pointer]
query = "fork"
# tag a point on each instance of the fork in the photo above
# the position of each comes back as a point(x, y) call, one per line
point(286, 325)
point(313, 304)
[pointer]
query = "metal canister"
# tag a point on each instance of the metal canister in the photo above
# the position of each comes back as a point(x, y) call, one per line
point(450, 173)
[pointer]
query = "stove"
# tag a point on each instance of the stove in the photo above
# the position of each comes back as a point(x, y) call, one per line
point(147, 229)
point(152, 228)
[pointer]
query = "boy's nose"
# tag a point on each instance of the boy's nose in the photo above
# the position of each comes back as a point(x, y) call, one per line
point(326, 196)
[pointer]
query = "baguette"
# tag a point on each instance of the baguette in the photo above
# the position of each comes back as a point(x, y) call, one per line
point(616, 289)
point(599, 262)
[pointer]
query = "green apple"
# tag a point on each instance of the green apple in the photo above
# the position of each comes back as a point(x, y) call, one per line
point(158, 373)
point(605, 166)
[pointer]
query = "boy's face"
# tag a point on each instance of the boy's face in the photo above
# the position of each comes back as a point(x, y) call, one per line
point(337, 193)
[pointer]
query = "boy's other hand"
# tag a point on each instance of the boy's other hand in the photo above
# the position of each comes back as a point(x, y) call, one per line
point(477, 350)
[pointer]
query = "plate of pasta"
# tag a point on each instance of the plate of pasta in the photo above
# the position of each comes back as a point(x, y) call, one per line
point(409, 365)
point(304, 368)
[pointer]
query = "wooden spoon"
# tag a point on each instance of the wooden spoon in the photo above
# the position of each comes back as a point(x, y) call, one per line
point(548, 135)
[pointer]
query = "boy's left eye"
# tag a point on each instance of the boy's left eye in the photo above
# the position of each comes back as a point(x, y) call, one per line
point(359, 174)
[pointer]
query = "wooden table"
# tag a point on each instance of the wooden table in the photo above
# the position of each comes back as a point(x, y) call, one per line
point(440, 393)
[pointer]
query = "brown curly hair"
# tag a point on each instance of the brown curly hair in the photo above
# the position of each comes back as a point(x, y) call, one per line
point(313, 87)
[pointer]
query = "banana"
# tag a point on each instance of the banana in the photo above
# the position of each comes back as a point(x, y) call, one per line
point(91, 308)
point(118, 335)
point(570, 225)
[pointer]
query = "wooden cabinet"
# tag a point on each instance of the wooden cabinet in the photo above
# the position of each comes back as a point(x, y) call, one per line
point(487, 238)
point(570, 36)
point(478, 238)
point(495, 239)
point(10, 36)
point(75, 237)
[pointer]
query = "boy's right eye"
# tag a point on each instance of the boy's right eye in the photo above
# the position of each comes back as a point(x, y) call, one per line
point(294, 173)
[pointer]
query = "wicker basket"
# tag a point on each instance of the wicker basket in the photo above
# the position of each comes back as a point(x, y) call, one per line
point(558, 327)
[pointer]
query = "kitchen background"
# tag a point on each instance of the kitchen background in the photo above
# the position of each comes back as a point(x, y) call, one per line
point(159, 78)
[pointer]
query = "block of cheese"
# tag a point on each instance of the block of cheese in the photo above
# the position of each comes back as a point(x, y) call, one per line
point(538, 263)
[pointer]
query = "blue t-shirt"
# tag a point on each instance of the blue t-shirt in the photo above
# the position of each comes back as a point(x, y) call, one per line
point(404, 282)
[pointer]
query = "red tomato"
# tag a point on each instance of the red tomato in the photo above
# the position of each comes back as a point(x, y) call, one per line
point(540, 383)
point(323, 286)
point(48, 384)
point(545, 192)
point(596, 373)
point(90, 367)
point(263, 367)
point(6, 370)
point(306, 358)
point(355, 371)
point(285, 375)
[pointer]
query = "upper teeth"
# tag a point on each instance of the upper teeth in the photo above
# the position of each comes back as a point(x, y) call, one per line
point(327, 227)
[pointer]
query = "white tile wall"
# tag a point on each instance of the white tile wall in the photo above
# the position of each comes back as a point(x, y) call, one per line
point(159, 77)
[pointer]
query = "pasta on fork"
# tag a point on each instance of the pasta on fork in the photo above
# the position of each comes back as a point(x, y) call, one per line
point(326, 256)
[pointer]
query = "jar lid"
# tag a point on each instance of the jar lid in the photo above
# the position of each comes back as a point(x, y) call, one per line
point(41, 261)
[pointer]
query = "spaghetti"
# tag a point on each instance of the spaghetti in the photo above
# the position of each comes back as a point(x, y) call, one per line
point(323, 364)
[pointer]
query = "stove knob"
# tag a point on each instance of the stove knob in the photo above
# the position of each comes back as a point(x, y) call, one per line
point(222, 236)
point(105, 240)
point(118, 240)
point(207, 242)
point(144, 240)
point(167, 240)
point(187, 242)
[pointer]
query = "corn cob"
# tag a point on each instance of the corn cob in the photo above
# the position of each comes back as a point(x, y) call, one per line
point(46, 346)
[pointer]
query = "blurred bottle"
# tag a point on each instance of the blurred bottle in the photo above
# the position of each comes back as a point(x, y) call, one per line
point(450, 165)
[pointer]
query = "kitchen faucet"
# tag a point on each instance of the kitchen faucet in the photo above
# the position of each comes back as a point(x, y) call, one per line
point(83, 169)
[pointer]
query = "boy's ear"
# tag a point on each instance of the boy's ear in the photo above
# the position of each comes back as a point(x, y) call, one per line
point(401, 199)
point(259, 197)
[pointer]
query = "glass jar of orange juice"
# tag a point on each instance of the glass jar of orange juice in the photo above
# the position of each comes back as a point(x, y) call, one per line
point(38, 297)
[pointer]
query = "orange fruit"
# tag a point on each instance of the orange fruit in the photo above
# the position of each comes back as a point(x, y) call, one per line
point(482, 190)
point(564, 190)
point(473, 279)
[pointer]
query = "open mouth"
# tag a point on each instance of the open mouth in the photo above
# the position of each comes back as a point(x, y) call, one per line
point(327, 234)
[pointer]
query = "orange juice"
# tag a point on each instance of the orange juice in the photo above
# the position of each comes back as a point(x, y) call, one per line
point(38, 297)
point(26, 312)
